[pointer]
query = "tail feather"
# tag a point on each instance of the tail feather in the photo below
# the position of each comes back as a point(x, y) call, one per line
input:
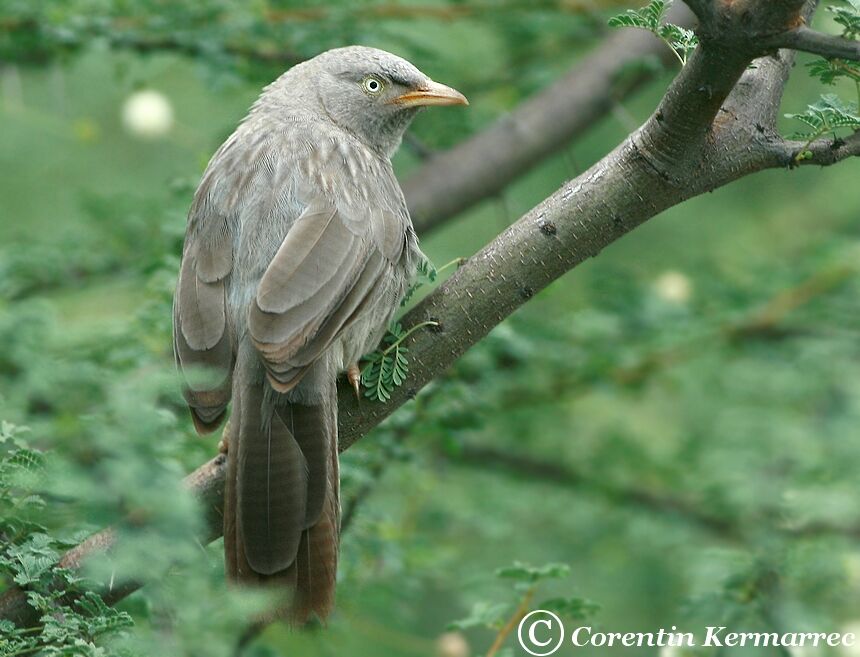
point(271, 488)
point(282, 508)
point(315, 568)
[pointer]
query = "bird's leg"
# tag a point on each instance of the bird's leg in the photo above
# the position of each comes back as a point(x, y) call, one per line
point(353, 375)
point(225, 439)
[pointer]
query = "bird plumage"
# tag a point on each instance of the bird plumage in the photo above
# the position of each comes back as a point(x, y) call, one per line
point(298, 249)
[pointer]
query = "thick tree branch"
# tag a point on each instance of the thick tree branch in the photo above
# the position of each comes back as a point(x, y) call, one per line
point(703, 9)
point(484, 165)
point(685, 149)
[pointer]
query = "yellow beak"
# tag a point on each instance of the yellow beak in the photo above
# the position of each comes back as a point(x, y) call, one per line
point(431, 93)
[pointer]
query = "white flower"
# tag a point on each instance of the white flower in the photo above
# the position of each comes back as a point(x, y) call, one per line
point(452, 644)
point(674, 287)
point(147, 114)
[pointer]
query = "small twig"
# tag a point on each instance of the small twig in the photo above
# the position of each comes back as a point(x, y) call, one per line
point(806, 39)
point(520, 612)
point(775, 310)
point(821, 152)
point(399, 340)
point(456, 262)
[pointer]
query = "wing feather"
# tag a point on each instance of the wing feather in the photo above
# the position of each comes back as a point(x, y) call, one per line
point(316, 285)
point(201, 339)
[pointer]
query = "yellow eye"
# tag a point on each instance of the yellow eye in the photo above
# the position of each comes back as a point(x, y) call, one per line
point(372, 85)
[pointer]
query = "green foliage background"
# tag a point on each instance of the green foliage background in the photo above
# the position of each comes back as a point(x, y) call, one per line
point(677, 421)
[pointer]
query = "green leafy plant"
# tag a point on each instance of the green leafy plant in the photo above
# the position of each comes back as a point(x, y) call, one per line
point(527, 581)
point(74, 620)
point(652, 18)
point(426, 274)
point(829, 114)
point(848, 17)
point(387, 367)
point(829, 71)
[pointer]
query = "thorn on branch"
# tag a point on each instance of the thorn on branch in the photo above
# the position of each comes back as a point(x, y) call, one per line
point(547, 227)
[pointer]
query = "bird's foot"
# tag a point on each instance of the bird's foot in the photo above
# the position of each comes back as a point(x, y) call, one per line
point(224, 442)
point(353, 375)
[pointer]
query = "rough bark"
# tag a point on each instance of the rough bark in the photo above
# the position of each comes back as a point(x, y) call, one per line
point(713, 126)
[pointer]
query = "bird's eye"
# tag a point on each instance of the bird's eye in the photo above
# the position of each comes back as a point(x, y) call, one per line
point(371, 85)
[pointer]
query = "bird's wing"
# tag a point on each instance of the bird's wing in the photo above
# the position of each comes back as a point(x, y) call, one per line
point(201, 342)
point(330, 265)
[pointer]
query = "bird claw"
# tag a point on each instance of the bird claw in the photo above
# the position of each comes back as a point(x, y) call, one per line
point(224, 442)
point(353, 375)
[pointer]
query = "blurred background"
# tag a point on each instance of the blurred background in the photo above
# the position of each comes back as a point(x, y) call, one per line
point(677, 421)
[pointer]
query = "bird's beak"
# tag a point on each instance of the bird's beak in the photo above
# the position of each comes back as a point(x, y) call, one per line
point(430, 93)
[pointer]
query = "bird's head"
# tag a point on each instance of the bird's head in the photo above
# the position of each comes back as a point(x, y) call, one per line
point(370, 93)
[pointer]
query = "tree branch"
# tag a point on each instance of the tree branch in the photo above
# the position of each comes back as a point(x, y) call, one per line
point(124, 32)
point(482, 166)
point(824, 152)
point(442, 12)
point(529, 467)
point(525, 466)
point(703, 9)
point(683, 150)
point(30, 30)
point(812, 41)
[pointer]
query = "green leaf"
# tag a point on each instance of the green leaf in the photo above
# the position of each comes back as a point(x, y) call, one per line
point(425, 273)
point(680, 39)
point(848, 17)
point(483, 614)
point(525, 573)
point(828, 71)
point(828, 114)
point(386, 368)
point(575, 608)
point(651, 17)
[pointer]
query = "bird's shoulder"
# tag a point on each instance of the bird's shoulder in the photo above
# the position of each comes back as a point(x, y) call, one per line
point(306, 154)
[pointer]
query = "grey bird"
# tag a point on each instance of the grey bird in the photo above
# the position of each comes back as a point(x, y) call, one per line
point(298, 251)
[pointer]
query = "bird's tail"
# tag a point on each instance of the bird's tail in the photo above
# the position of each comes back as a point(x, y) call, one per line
point(282, 507)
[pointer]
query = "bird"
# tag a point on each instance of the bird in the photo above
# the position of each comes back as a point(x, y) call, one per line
point(298, 251)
